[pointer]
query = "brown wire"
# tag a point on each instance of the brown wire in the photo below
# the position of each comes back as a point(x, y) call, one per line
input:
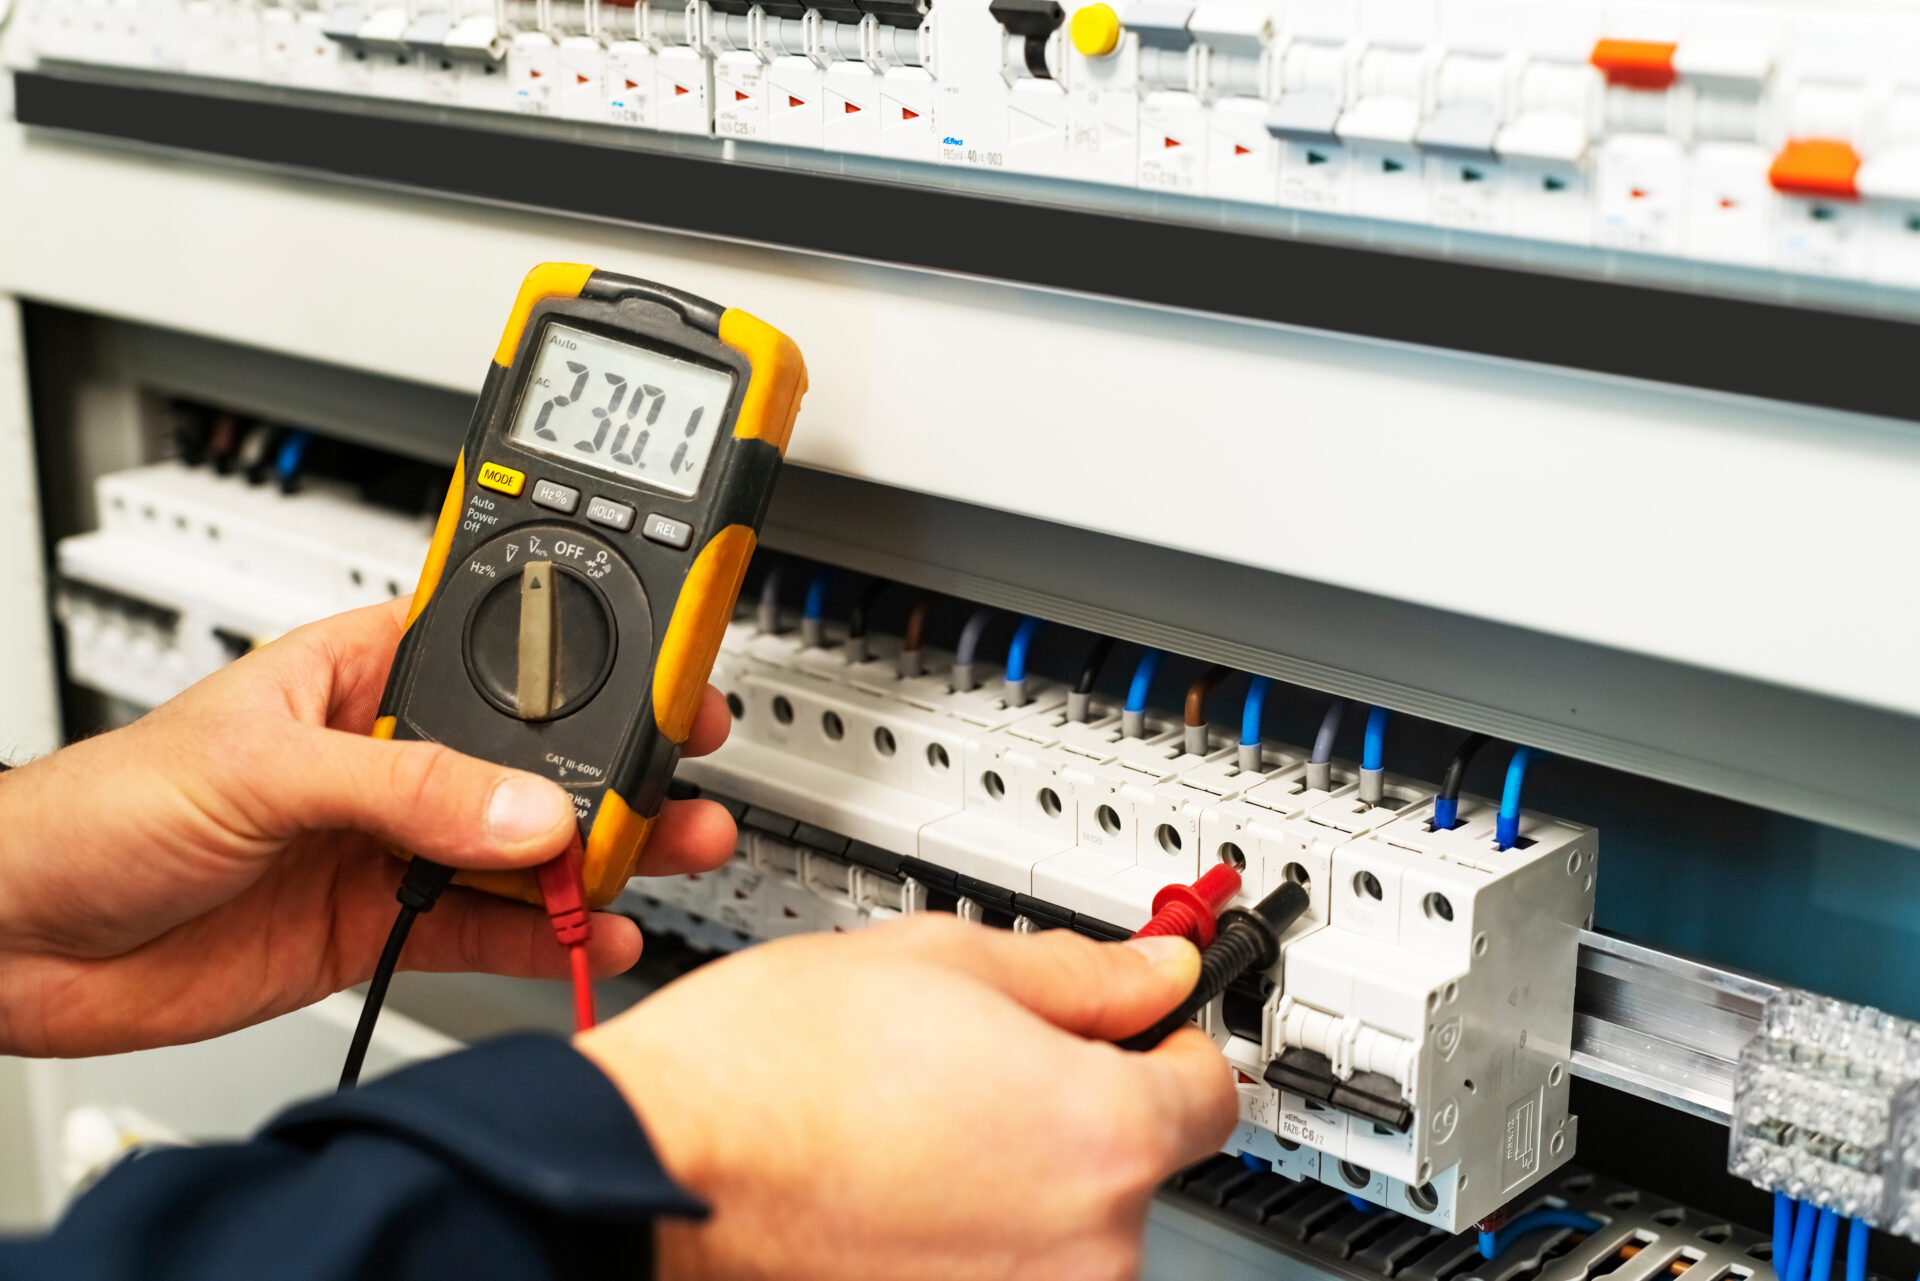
point(915, 636)
point(1198, 691)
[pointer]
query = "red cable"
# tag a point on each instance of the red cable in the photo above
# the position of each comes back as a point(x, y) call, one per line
point(582, 988)
point(566, 902)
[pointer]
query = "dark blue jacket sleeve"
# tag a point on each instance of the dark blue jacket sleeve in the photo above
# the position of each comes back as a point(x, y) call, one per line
point(517, 1159)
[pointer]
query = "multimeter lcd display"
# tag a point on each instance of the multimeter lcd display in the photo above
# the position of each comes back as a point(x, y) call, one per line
point(624, 409)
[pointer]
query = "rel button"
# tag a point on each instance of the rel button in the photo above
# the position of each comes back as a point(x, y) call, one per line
point(604, 511)
point(664, 529)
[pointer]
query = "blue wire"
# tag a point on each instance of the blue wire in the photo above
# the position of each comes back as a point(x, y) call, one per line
point(1375, 750)
point(1360, 1203)
point(1258, 1164)
point(292, 451)
point(817, 594)
point(1782, 1229)
point(1824, 1238)
point(1250, 711)
point(1018, 646)
point(1329, 730)
point(1143, 680)
point(970, 636)
point(1506, 828)
point(1857, 1250)
point(1797, 1257)
point(1496, 1243)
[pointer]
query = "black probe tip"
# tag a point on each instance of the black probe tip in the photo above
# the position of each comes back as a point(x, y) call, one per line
point(1247, 940)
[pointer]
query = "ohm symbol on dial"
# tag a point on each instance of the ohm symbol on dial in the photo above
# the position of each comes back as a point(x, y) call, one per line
point(600, 565)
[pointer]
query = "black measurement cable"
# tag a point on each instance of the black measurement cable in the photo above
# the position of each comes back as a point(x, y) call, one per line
point(419, 890)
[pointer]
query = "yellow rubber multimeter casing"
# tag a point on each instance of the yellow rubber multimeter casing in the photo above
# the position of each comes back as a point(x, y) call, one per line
point(585, 459)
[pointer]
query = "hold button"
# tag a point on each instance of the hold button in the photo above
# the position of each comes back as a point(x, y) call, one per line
point(604, 511)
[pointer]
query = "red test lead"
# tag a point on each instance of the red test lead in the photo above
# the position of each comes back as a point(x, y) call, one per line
point(566, 903)
point(1189, 910)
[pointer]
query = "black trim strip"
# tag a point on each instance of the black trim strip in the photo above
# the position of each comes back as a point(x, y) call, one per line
point(1797, 354)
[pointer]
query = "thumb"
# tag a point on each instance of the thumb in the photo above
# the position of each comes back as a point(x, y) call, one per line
point(1103, 991)
point(1193, 1099)
point(422, 797)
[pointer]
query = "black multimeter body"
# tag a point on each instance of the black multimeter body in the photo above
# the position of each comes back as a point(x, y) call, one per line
point(639, 548)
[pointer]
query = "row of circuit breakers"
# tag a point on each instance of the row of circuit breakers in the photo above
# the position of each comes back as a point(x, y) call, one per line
point(1760, 134)
point(1411, 1045)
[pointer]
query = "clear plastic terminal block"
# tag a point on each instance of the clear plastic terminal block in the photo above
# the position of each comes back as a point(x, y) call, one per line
point(1827, 1108)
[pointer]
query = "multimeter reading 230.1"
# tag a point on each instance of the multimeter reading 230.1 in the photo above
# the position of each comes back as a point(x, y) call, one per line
point(592, 545)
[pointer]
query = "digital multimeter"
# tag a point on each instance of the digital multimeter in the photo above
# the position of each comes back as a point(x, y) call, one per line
point(591, 547)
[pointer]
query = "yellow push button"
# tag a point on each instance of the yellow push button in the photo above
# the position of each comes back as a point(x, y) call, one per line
point(505, 479)
point(1096, 30)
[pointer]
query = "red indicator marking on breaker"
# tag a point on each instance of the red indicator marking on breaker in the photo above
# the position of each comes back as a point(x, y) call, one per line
point(578, 78)
point(909, 115)
point(738, 96)
point(1637, 193)
point(678, 90)
point(1241, 1078)
point(794, 102)
point(1823, 167)
point(532, 74)
point(633, 84)
point(1239, 150)
point(850, 109)
point(1170, 142)
point(1636, 64)
point(1726, 202)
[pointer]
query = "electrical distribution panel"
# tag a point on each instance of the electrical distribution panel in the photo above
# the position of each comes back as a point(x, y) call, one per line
point(191, 568)
point(1411, 1046)
point(1784, 137)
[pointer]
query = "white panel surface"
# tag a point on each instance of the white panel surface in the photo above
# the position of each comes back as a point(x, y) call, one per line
point(29, 714)
point(1738, 535)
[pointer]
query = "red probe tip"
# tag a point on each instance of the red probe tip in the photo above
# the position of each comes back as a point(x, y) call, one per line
point(1189, 910)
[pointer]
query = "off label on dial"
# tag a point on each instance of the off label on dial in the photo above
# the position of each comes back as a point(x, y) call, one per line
point(595, 562)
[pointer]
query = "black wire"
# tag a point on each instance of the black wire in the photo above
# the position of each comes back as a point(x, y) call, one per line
point(376, 997)
point(862, 606)
point(1457, 767)
point(419, 890)
point(1096, 659)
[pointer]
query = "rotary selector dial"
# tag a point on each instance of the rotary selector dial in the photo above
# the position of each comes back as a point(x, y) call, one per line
point(541, 636)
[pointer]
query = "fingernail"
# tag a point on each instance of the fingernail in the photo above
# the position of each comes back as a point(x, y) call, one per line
point(523, 807)
point(1161, 949)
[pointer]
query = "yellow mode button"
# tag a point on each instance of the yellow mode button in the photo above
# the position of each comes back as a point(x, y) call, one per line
point(505, 479)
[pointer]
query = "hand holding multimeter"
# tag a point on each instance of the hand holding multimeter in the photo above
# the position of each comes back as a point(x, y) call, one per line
point(586, 564)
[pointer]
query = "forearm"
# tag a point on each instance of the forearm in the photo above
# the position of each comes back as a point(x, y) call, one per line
point(514, 1160)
